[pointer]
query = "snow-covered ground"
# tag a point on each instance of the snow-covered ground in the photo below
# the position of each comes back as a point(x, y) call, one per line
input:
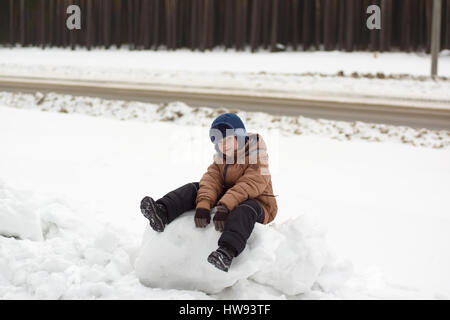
point(338, 75)
point(357, 218)
point(181, 113)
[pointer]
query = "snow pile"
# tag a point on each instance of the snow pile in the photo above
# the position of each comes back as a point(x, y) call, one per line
point(18, 218)
point(287, 257)
point(77, 257)
point(299, 258)
point(183, 114)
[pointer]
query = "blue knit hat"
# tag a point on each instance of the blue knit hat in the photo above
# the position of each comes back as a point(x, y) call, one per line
point(228, 121)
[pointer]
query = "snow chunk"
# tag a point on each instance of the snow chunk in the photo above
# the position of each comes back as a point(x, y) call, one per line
point(18, 215)
point(298, 259)
point(286, 257)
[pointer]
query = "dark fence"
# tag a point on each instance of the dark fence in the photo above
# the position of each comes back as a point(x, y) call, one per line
point(203, 24)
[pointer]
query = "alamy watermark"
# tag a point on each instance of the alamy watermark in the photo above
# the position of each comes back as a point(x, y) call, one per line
point(73, 22)
point(374, 21)
point(194, 148)
point(239, 153)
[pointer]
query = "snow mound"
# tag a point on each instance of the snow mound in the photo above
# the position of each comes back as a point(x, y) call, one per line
point(287, 257)
point(18, 217)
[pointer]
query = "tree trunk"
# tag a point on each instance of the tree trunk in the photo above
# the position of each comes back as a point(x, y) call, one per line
point(274, 30)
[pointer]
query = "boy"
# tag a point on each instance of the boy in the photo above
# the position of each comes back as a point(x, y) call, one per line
point(236, 189)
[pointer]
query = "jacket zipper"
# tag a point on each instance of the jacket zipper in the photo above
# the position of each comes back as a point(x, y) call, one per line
point(224, 175)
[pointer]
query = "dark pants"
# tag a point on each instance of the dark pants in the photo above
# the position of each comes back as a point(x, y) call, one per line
point(238, 226)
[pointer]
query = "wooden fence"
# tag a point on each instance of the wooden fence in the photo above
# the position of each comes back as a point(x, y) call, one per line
point(204, 24)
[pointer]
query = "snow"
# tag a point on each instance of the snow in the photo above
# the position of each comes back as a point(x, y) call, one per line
point(180, 113)
point(76, 257)
point(312, 75)
point(231, 61)
point(17, 218)
point(358, 217)
point(384, 205)
point(288, 258)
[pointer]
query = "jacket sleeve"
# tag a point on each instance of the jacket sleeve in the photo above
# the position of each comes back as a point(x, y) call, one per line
point(250, 185)
point(210, 187)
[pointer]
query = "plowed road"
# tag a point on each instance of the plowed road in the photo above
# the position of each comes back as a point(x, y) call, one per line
point(418, 114)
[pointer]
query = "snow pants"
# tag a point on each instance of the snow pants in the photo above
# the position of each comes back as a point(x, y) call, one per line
point(238, 225)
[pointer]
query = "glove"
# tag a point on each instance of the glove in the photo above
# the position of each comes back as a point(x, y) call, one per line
point(202, 217)
point(220, 215)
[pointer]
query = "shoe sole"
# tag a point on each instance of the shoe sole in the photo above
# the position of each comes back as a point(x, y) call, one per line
point(148, 209)
point(216, 260)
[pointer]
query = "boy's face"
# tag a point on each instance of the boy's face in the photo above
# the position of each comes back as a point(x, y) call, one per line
point(228, 145)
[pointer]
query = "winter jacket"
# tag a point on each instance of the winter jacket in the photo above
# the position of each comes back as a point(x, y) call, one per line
point(231, 184)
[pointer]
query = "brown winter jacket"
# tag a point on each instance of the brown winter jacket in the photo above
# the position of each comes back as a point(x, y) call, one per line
point(242, 180)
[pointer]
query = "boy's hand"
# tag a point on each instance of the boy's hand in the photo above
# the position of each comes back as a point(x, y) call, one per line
point(220, 215)
point(202, 217)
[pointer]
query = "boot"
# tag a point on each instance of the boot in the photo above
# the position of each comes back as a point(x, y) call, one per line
point(156, 213)
point(221, 258)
